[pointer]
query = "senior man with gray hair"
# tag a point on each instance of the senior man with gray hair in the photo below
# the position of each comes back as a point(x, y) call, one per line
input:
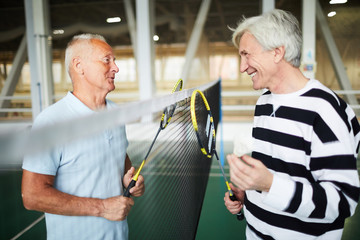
point(301, 180)
point(79, 186)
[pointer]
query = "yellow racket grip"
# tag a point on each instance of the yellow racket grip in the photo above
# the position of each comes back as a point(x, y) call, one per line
point(135, 178)
point(228, 188)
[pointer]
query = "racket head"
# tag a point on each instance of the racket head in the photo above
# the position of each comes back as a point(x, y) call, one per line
point(203, 123)
point(169, 110)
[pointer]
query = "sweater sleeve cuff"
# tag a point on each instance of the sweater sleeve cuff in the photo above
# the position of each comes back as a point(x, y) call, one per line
point(281, 192)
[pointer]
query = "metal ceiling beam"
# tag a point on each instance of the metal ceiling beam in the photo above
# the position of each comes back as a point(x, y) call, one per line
point(267, 5)
point(129, 11)
point(145, 48)
point(308, 65)
point(40, 54)
point(195, 39)
point(14, 75)
point(335, 57)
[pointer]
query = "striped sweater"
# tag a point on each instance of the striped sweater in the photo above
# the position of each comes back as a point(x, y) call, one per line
point(309, 141)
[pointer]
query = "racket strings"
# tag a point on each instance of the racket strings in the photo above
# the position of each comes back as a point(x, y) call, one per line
point(204, 125)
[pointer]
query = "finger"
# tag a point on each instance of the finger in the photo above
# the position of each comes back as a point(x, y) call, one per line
point(136, 191)
point(234, 162)
point(240, 171)
point(226, 197)
point(239, 179)
point(251, 162)
point(140, 180)
point(129, 174)
point(233, 206)
point(245, 165)
point(131, 171)
point(128, 202)
point(229, 203)
point(234, 189)
point(231, 157)
point(139, 185)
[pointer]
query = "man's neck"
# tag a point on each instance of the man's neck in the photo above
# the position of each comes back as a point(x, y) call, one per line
point(94, 102)
point(289, 80)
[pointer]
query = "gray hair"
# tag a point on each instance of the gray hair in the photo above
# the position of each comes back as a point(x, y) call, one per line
point(272, 30)
point(84, 38)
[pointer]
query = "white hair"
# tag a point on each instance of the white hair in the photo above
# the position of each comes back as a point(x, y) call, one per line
point(85, 39)
point(272, 30)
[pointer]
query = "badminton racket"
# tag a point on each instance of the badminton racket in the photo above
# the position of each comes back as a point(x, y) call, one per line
point(165, 119)
point(203, 124)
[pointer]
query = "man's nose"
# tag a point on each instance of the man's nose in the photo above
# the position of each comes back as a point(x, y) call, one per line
point(115, 67)
point(243, 65)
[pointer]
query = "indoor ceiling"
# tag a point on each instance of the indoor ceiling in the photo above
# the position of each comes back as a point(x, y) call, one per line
point(174, 19)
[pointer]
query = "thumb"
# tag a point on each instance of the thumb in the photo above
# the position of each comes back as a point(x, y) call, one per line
point(233, 188)
point(130, 172)
point(248, 160)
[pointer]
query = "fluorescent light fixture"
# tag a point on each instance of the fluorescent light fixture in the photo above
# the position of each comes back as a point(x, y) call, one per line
point(156, 38)
point(58, 31)
point(331, 14)
point(113, 20)
point(337, 1)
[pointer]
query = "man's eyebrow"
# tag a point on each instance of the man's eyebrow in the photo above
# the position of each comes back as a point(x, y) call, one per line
point(110, 56)
point(243, 52)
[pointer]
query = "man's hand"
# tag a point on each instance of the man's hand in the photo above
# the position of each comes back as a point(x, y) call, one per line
point(116, 208)
point(248, 173)
point(234, 207)
point(139, 188)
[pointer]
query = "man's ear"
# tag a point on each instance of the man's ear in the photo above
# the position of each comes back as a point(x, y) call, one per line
point(76, 62)
point(279, 54)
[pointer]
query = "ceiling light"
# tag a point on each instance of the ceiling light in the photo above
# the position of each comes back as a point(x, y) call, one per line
point(58, 31)
point(113, 20)
point(156, 38)
point(338, 1)
point(331, 14)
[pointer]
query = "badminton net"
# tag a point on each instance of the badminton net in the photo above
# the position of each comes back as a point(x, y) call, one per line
point(176, 172)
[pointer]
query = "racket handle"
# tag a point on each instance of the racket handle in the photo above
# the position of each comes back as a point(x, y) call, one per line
point(239, 215)
point(127, 191)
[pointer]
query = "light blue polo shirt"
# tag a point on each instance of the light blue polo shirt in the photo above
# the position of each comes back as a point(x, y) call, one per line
point(91, 167)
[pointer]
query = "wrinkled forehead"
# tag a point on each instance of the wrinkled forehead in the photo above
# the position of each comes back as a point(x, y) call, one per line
point(249, 42)
point(87, 48)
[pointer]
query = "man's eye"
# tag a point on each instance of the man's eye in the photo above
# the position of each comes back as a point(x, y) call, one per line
point(244, 54)
point(106, 60)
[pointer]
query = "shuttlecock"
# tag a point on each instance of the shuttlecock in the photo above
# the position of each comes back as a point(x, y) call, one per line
point(242, 144)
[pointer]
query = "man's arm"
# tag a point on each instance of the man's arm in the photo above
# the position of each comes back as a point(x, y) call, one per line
point(39, 194)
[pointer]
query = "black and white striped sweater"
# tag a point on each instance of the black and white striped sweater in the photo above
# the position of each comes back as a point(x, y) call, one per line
point(309, 140)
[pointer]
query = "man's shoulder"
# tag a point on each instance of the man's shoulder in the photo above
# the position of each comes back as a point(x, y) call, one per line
point(53, 113)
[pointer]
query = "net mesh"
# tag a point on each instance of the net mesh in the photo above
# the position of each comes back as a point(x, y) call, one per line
point(176, 172)
point(176, 175)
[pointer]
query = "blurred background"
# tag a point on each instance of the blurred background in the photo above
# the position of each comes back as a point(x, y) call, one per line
point(174, 39)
